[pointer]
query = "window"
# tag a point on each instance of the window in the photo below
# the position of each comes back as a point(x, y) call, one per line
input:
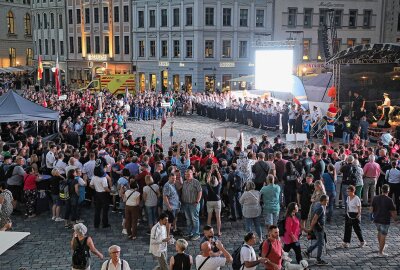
point(337, 45)
point(46, 47)
point(189, 16)
point(53, 46)
point(126, 13)
point(116, 45)
point(71, 45)
point(78, 16)
point(306, 49)
point(243, 49)
point(88, 47)
point(209, 49)
point(226, 49)
point(96, 44)
point(189, 48)
point(51, 20)
point(259, 18)
point(96, 15)
point(164, 48)
point(164, 18)
point(116, 14)
point(60, 21)
point(338, 17)
point(152, 48)
point(105, 14)
point(126, 44)
point(61, 47)
point(141, 48)
point(106, 44)
point(351, 42)
point(39, 23)
point(40, 47)
point(87, 15)
point(323, 16)
point(152, 18)
point(177, 49)
point(226, 17)
point(292, 15)
point(209, 16)
point(27, 24)
point(367, 18)
point(398, 23)
point(365, 41)
point(70, 19)
point(79, 44)
point(140, 19)
point(307, 23)
point(244, 16)
point(12, 56)
point(29, 57)
point(45, 21)
point(352, 18)
point(176, 17)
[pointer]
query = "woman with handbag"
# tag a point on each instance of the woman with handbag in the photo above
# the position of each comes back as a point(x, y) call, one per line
point(352, 218)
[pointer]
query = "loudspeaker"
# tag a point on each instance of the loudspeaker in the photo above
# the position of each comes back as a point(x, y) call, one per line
point(323, 44)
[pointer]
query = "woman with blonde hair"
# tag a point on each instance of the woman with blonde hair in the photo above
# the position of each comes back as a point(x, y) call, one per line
point(319, 190)
point(33, 162)
point(181, 260)
point(250, 201)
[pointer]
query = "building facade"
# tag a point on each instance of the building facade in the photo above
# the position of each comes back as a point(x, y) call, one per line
point(391, 26)
point(196, 45)
point(357, 22)
point(16, 33)
point(49, 36)
point(99, 38)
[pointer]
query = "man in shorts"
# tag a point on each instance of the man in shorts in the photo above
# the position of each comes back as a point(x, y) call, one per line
point(383, 210)
point(171, 203)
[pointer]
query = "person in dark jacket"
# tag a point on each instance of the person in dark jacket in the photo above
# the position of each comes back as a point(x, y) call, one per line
point(260, 170)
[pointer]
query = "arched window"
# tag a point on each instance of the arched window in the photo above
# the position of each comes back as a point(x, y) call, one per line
point(29, 57)
point(10, 22)
point(27, 24)
point(45, 20)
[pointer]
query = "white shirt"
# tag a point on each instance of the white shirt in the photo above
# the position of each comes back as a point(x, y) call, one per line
point(112, 267)
point(158, 233)
point(386, 138)
point(132, 200)
point(99, 183)
point(393, 176)
point(214, 263)
point(353, 204)
point(68, 168)
point(50, 160)
point(247, 254)
point(151, 199)
point(60, 166)
point(88, 168)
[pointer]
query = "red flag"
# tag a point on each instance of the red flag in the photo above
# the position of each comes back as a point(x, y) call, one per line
point(163, 120)
point(40, 69)
point(57, 78)
point(296, 101)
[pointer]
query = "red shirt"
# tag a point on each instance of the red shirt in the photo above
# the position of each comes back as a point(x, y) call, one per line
point(275, 255)
point(203, 162)
point(30, 182)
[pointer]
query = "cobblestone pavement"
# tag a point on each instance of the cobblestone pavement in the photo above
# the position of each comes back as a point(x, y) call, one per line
point(48, 245)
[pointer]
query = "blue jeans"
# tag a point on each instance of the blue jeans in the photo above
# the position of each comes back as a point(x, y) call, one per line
point(344, 195)
point(346, 137)
point(192, 218)
point(250, 222)
point(270, 218)
point(319, 243)
point(151, 212)
point(332, 195)
point(236, 208)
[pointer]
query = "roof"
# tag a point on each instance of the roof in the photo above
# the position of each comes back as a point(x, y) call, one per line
point(14, 108)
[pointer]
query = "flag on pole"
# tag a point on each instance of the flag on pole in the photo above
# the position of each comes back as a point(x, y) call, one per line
point(296, 101)
point(171, 133)
point(163, 120)
point(40, 69)
point(57, 78)
point(153, 137)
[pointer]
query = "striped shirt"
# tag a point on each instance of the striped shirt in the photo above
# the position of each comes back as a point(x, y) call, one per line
point(190, 191)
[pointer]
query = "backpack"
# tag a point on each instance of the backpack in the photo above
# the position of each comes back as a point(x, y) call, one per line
point(269, 248)
point(2, 173)
point(9, 172)
point(80, 255)
point(64, 190)
point(282, 226)
point(352, 178)
point(238, 183)
point(236, 263)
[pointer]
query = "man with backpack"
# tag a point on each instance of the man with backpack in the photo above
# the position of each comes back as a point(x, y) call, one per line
point(272, 249)
point(235, 188)
point(115, 263)
point(349, 171)
point(245, 258)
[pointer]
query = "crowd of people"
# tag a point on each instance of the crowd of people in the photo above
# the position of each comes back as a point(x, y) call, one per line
point(282, 193)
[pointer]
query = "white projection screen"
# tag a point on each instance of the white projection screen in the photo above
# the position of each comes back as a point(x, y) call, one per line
point(274, 69)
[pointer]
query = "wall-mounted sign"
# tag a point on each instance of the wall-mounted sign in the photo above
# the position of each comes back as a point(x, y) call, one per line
point(181, 64)
point(163, 64)
point(97, 57)
point(227, 64)
point(330, 4)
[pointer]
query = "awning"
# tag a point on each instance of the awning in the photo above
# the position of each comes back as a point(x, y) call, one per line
point(12, 69)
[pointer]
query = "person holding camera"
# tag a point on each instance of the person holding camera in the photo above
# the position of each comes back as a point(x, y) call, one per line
point(205, 261)
point(209, 236)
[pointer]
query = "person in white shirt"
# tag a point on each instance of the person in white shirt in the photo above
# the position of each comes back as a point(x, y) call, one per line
point(248, 257)
point(100, 184)
point(115, 263)
point(50, 158)
point(159, 241)
point(59, 164)
point(71, 165)
point(132, 209)
point(206, 262)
